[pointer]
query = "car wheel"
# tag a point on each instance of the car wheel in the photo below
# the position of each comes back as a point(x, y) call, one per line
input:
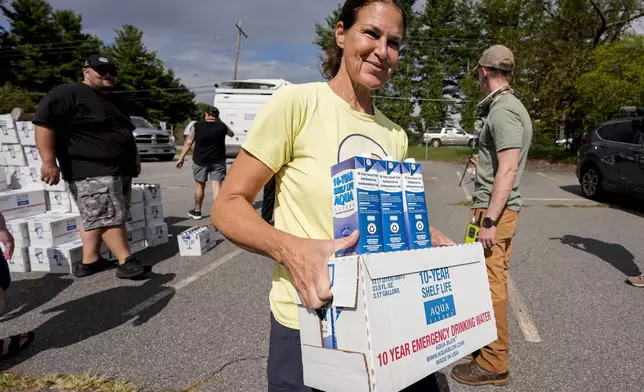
point(591, 182)
point(166, 158)
point(436, 143)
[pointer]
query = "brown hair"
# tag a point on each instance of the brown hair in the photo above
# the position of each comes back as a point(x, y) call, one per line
point(348, 15)
point(507, 75)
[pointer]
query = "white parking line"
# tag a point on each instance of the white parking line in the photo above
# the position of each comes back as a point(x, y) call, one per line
point(547, 176)
point(520, 310)
point(181, 284)
point(468, 196)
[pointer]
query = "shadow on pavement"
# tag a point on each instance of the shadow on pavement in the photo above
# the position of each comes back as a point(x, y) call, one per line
point(436, 382)
point(26, 295)
point(95, 314)
point(622, 202)
point(614, 254)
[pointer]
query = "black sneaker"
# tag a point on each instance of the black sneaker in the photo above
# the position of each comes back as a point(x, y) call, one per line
point(83, 270)
point(194, 214)
point(131, 269)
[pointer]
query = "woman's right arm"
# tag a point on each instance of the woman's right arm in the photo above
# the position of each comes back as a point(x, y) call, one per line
point(234, 216)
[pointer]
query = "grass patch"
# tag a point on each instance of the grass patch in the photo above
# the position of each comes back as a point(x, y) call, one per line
point(463, 203)
point(552, 155)
point(63, 383)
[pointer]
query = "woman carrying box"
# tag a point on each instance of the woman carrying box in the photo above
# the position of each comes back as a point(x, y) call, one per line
point(300, 133)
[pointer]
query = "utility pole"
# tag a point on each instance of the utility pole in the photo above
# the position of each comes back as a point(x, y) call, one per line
point(239, 34)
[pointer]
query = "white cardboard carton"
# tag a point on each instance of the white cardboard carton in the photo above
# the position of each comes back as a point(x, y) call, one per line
point(135, 235)
point(19, 228)
point(22, 203)
point(138, 246)
point(19, 262)
point(136, 217)
point(54, 229)
point(73, 204)
point(61, 186)
point(399, 317)
point(151, 193)
point(197, 240)
point(33, 156)
point(8, 134)
point(153, 215)
point(137, 196)
point(156, 235)
point(13, 155)
point(5, 179)
point(24, 177)
point(26, 133)
point(57, 260)
point(58, 201)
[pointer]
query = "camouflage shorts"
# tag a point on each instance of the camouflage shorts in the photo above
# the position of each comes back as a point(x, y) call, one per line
point(102, 201)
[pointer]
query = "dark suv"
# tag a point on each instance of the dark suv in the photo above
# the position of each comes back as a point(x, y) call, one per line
point(611, 158)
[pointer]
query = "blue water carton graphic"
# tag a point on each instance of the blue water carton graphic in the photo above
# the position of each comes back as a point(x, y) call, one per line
point(415, 206)
point(394, 235)
point(356, 204)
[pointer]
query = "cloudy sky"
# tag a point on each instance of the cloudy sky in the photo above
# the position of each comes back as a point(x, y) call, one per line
point(197, 38)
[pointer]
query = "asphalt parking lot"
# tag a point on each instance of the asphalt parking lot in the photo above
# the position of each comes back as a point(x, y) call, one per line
point(575, 325)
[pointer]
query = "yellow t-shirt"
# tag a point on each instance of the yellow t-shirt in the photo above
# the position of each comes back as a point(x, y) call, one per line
point(300, 133)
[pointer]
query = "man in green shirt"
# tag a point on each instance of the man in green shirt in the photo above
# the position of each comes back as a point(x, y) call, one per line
point(503, 148)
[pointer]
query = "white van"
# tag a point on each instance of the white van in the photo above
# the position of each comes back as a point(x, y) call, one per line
point(238, 102)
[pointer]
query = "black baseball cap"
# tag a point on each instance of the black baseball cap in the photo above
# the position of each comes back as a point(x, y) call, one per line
point(97, 60)
point(213, 111)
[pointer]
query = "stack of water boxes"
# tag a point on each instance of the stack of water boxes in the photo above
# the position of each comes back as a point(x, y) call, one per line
point(44, 219)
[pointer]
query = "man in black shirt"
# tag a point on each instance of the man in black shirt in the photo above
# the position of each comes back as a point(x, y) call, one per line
point(208, 157)
point(85, 128)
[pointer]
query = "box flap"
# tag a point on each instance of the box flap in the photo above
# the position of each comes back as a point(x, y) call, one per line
point(382, 265)
point(343, 273)
point(335, 370)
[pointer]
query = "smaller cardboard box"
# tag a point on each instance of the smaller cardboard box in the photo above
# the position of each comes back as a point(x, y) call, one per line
point(60, 187)
point(136, 217)
point(54, 229)
point(396, 318)
point(197, 240)
point(135, 235)
point(33, 156)
point(58, 201)
point(57, 260)
point(25, 177)
point(156, 235)
point(5, 179)
point(137, 196)
point(15, 204)
point(153, 215)
point(73, 204)
point(26, 133)
point(151, 193)
point(19, 228)
point(13, 155)
point(137, 246)
point(19, 262)
point(8, 134)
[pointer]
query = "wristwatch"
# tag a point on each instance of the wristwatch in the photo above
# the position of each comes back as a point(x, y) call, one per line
point(488, 222)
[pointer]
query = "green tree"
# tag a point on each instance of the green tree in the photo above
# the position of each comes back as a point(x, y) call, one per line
point(44, 47)
point(145, 84)
point(13, 97)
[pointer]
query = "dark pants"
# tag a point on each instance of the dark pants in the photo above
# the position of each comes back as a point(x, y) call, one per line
point(268, 205)
point(285, 372)
point(5, 275)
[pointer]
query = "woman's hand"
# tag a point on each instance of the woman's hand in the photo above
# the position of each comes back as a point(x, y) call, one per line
point(440, 239)
point(307, 261)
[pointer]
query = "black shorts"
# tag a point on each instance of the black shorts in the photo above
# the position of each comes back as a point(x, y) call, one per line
point(5, 275)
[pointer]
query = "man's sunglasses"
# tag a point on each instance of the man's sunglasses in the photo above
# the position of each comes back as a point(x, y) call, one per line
point(103, 70)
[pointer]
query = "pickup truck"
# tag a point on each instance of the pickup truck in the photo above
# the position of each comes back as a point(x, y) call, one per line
point(437, 137)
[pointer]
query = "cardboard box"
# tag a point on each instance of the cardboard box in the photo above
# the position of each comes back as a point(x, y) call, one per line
point(399, 317)
point(8, 134)
point(416, 217)
point(25, 177)
point(61, 186)
point(58, 201)
point(33, 156)
point(136, 217)
point(135, 235)
point(153, 215)
point(26, 133)
point(156, 235)
point(137, 246)
point(13, 155)
point(5, 179)
point(151, 193)
point(19, 228)
point(137, 196)
point(54, 229)
point(72, 202)
point(19, 262)
point(16, 204)
point(57, 260)
point(394, 233)
point(197, 240)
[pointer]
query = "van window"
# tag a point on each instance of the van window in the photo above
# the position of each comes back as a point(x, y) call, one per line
point(623, 132)
point(246, 85)
point(604, 131)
